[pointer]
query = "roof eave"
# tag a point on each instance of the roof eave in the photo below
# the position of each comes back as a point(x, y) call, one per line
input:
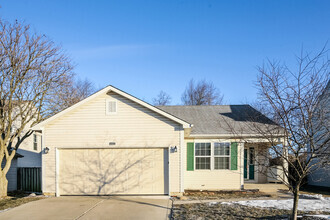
point(236, 136)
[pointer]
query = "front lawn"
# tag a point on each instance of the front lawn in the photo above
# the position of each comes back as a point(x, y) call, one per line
point(16, 199)
point(233, 211)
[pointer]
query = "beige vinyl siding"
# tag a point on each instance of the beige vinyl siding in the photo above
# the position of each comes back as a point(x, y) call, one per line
point(32, 158)
point(88, 126)
point(212, 179)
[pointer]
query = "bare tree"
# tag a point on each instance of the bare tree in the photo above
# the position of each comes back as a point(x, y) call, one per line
point(292, 99)
point(32, 69)
point(162, 99)
point(75, 91)
point(202, 93)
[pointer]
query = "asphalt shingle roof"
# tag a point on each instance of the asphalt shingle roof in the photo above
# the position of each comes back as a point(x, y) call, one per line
point(221, 119)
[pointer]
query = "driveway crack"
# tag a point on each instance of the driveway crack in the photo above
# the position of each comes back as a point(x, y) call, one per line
point(91, 208)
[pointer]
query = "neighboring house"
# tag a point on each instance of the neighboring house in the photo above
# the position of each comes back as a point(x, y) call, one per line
point(27, 156)
point(114, 143)
point(321, 177)
point(12, 172)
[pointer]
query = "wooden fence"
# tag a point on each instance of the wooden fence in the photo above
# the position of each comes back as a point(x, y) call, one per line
point(29, 179)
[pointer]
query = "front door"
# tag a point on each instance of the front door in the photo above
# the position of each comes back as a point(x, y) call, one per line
point(249, 158)
point(251, 164)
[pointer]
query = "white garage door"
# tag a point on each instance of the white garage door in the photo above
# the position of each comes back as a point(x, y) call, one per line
point(113, 171)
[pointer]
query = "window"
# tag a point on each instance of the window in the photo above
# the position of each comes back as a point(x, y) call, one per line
point(203, 156)
point(221, 155)
point(35, 142)
point(111, 107)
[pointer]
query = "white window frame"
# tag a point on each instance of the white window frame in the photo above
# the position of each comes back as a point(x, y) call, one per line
point(206, 156)
point(212, 156)
point(229, 156)
point(107, 106)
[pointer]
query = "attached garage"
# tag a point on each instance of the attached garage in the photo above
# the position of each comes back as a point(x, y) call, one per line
point(113, 171)
point(112, 143)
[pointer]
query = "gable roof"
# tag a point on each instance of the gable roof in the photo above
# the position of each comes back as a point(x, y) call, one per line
point(223, 120)
point(107, 89)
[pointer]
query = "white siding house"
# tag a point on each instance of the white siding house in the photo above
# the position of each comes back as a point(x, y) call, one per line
point(321, 176)
point(28, 155)
point(114, 143)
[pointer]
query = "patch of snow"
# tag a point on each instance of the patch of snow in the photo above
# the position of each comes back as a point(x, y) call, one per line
point(4, 210)
point(320, 216)
point(32, 195)
point(227, 203)
point(308, 196)
point(303, 204)
point(212, 203)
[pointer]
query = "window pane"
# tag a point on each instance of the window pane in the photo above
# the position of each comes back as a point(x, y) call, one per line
point(35, 143)
point(203, 149)
point(217, 149)
point(221, 149)
point(227, 149)
point(203, 163)
point(208, 149)
point(221, 163)
point(197, 149)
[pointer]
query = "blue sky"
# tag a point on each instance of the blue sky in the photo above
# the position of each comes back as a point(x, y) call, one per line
point(143, 47)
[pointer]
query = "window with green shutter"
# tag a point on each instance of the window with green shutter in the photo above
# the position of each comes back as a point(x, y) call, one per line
point(233, 156)
point(190, 156)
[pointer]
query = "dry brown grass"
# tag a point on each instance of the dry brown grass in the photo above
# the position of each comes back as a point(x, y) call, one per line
point(16, 199)
point(221, 194)
point(201, 211)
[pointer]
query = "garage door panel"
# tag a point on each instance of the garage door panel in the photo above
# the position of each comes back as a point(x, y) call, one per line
point(112, 171)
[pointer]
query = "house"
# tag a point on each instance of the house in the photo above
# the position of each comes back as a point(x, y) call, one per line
point(12, 172)
point(27, 156)
point(321, 176)
point(115, 143)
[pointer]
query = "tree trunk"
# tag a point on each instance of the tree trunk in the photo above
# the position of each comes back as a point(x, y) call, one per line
point(295, 204)
point(3, 186)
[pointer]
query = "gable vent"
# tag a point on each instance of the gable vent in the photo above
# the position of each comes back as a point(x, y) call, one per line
point(111, 107)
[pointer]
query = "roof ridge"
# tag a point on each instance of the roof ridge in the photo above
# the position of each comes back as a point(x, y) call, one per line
point(201, 105)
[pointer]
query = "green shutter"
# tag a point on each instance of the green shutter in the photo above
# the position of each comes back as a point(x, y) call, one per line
point(190, 156)
point(233, 156)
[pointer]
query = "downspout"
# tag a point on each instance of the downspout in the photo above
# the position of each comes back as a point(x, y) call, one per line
point(42, 161)
point(181, 160)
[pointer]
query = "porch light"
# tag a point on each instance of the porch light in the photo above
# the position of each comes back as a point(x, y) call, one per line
point(46, 150)
point(174, 149)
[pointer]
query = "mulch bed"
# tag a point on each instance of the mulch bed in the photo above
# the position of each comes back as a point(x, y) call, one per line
point(201, 211)
point(222, 194)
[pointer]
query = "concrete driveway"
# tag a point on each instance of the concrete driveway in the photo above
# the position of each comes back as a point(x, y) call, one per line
point(93, 207)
